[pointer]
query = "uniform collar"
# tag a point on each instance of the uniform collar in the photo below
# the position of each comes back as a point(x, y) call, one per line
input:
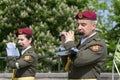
point(23, 51)
point(84, 39)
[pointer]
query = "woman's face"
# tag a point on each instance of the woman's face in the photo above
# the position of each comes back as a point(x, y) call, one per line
point(23, 41)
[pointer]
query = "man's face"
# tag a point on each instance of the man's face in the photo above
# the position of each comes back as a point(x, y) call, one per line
point(85, 27)
point(23, 41)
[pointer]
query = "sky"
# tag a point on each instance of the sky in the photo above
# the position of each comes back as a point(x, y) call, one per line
point(105, 14)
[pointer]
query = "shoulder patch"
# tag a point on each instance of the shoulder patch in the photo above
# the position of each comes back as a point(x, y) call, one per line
point(95, 47)
point(26, 58)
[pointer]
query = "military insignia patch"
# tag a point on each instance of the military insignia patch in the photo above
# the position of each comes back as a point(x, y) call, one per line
point(80, 16)
point(27, 58)
point(20, 31)
point(95, 47)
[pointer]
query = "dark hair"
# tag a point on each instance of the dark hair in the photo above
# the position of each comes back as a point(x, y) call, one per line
point(28, 37)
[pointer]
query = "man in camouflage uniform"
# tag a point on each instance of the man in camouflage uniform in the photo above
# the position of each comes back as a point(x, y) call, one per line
point(85, 59)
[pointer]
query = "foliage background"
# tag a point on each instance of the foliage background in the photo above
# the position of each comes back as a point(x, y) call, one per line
point(48, 17)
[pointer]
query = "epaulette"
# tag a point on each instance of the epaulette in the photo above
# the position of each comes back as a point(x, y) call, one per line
point(30, 51)
point(97, 39)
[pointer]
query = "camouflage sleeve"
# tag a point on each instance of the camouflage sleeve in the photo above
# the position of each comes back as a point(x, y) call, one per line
point(26, 60)
point(93, 53)
point(22, 61)
point(11, 61)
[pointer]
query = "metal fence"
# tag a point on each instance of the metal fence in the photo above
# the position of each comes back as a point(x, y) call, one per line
point(2, 64)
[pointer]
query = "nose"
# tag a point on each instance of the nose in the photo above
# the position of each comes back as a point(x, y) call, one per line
point(19, 41)
point(79, 27)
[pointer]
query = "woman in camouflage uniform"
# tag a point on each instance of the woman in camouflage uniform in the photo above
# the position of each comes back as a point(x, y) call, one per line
point(24, 65)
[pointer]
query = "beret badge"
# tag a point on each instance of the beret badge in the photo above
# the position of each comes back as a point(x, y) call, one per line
point(20, 31)
point(80, 16)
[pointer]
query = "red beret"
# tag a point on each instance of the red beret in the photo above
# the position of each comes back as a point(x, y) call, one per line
point(24, 31)
point(86, 15)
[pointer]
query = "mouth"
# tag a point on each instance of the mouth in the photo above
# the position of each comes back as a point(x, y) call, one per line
point(81, 33)
point(20, 46)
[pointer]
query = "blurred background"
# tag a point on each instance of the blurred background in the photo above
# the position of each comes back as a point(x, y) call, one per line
point(49, 17)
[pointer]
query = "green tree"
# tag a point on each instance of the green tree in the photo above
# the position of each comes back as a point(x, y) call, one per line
point(114, 33)
point(46, 17)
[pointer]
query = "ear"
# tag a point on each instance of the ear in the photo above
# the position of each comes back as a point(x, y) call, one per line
point(94, 26)
point(30, 40)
